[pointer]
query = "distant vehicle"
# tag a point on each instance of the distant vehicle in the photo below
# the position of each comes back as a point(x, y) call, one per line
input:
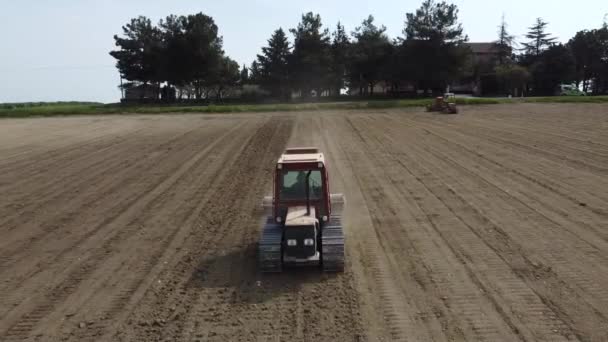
point(445, 104)
point(570, 90)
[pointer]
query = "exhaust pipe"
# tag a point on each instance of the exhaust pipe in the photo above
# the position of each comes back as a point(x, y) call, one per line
point(308, 193)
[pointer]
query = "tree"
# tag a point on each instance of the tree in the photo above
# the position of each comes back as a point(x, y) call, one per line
point(539, 39)
point(396, 69)
point(244, 75)
point(434, 41)
point(513, 77)
point(255, 73)
point(205, 52)
point(586, 51)
point(139, 56)
point(176, 50)
point(227, 75)
point(340, 53)
point(310, 61)
point(554, 66)
point(434, 21)
point(370, 53)
point(601, 70)
point(273, 65)
point(590, 52)
point(505, 42)
point(181, 52)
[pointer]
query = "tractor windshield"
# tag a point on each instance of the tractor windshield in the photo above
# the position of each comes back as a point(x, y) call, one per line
point(293, 185)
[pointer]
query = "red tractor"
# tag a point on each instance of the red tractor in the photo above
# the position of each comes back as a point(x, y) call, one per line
point(304, 225)
point(445, 104)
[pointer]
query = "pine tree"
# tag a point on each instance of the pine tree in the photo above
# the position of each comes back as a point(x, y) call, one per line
point(540, 40)
point(505, 42)
point(340, 53)
point(244, 77)
point(370, 53)
point(434, 40)
point(310, 60)
point(273, 63)
point(255, 74)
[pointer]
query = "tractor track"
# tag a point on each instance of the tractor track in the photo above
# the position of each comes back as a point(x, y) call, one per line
point(489, 225)
point(522, 304)
point(476, 319)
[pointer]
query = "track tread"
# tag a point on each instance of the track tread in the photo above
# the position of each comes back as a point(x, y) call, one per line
point(332, 245)
point(269, 247)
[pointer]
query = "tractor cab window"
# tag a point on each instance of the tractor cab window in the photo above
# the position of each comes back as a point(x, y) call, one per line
point(293, 185)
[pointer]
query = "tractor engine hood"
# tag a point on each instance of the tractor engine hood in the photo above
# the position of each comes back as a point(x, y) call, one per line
point(297, 217)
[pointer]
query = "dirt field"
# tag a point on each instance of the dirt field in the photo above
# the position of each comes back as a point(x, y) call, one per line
point(490, 225)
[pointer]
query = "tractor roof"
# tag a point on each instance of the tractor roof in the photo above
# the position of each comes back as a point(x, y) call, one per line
point(302, 155)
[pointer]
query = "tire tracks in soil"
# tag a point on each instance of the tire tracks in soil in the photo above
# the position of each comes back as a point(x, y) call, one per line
point(524, 262)
point(521, 308)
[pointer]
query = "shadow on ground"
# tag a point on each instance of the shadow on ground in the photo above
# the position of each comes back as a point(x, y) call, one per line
point(236, 270)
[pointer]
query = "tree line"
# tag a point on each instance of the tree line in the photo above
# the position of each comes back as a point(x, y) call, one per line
point(185, 54)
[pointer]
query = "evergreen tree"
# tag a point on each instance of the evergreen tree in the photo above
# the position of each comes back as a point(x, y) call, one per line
point(340, 53)
point(505, 42)
point(310, 61)
point(434, 42)
point(273, 65)
point(370, 53)
point(539, 39)
point(244, 76)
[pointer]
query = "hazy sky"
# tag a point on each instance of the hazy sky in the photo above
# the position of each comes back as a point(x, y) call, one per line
point(58, 50)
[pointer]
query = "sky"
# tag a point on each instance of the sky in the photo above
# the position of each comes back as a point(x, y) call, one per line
point(58, 50)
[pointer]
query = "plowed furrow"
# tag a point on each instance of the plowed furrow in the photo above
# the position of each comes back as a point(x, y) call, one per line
point(80, 268)
point(64, 154)
point(61, 136)
point(400, 315)
point(71, 180)
point(165, 240)
point(88, 220)
point(471, 311)
point(510, 295)
point(215, 225)
point(527, 231)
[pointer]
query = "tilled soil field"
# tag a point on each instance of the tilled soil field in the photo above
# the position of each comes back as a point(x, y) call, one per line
point(490, 225)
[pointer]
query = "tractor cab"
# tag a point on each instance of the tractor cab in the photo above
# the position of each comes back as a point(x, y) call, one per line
point(301, 181)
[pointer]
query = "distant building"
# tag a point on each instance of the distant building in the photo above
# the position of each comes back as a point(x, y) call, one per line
point(384, 88)
point(483, 53)
point(482, 60)
point(134, 93)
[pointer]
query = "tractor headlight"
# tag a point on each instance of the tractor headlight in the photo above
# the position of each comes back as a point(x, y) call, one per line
point(324, 218)
point(292, 242)
point(320, 165)
point(278, 219)
point(279, 166)
point(309, 242)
